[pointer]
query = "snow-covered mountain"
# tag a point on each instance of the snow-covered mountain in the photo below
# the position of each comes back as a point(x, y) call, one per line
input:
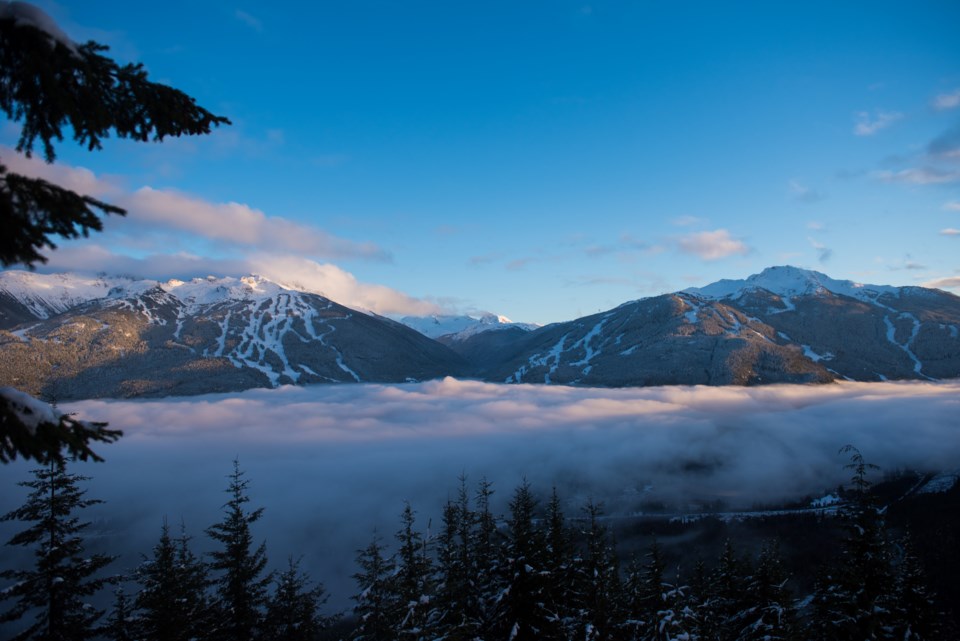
point(458, 328)
point(786, 282)
point(783, 325)
point(67, 336)
point(71, 336)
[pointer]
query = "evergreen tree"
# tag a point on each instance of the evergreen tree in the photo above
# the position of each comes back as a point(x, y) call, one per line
point(726, 596)
point(485, 557)
point(48, 82)
point(597, 576)
point(38, 431)
point(446, 613)
point(293, 610)
point(375, 599)
point(558, 563)
point(853, 602)
point(522, 608)
point(241, 588)
point(412, 581)
point(121, 622)
point(914, 612)
point(172, 602)
point(655, 609)
point(769, 614)
point(58, 587)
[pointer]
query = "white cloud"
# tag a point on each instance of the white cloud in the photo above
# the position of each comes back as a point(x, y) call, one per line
point(78, 179)
point(867, 125)
point(231, 223)
point(332, 462)
point(240, 224)
point(950, 282)
point(301, 273)
point(919, 176)
point(339, 285)
point(953, 205)
point(712, 245)
point(947, 100)
point(950, 231)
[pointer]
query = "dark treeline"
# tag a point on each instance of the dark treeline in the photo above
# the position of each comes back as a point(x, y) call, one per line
point(535, 573)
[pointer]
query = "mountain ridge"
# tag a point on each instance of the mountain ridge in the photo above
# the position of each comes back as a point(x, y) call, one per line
point(72, 336)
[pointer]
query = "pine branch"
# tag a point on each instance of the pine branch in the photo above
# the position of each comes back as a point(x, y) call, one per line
point(33, 210)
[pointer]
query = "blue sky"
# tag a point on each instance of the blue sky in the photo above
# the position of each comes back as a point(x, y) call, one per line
point(542, 160)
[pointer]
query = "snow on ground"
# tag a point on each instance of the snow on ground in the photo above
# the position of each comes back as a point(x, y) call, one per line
point(940, 483)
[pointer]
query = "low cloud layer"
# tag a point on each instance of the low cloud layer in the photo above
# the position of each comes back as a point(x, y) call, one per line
point(331, 463)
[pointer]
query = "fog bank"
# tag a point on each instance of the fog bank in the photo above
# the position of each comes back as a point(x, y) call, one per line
point(331, 463)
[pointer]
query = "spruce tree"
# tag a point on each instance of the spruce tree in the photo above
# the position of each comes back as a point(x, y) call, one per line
point(727, 599)
point(914, 612)
point(853, 600)
point(558, 563)
point(375, 599)
point(293, 610)
point(241, 587)
point(172, 602)
point(56, 591)
point(522, 608)
point(769, 614)
point(48, 83)
point(597, 576)
point(485, 555)
point(122, 624)
point(412, 581)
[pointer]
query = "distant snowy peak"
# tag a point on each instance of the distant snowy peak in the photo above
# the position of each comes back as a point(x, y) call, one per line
point(212, 290)
point(462, 326)
point(45, 295)
point(787, 281)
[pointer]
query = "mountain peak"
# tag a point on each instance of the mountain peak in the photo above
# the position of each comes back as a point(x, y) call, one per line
point(787, 281)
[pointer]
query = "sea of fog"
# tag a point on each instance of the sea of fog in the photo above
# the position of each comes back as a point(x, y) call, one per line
point(333, 463)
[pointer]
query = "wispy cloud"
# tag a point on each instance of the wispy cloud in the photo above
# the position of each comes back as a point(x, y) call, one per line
point(712, 245)
point(949, 100)
point(868, 125)
point(520, 263)
point(946, 146)
point(824, 253)
point(950, 282)
point(919, 176)
point(249, 20)
point(953, 205)
point(688, 221)
point(950, 231)
point(484, 259)
point(627, 244)
point(802, 193)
